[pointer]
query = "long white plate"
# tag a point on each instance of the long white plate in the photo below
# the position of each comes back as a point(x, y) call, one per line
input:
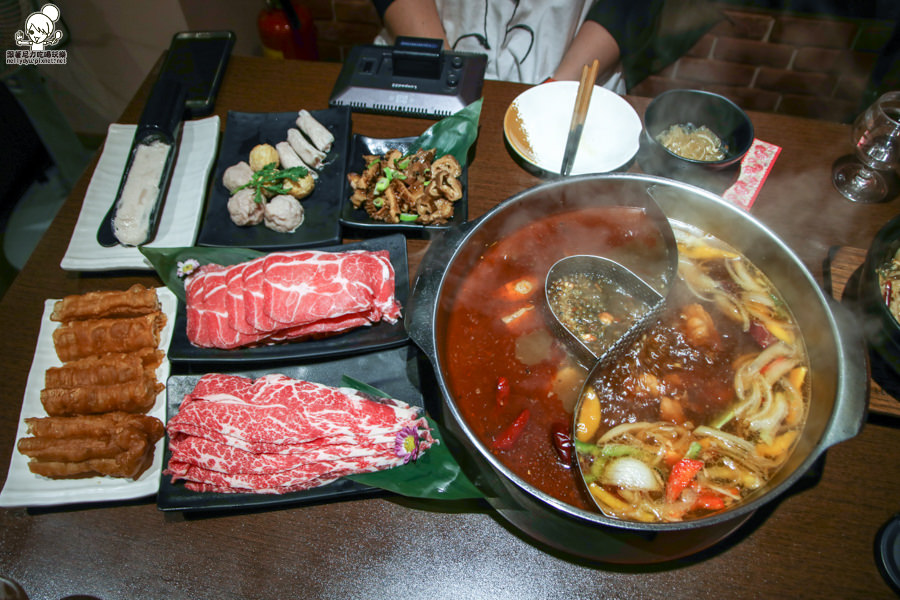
point(180, 219)
point(24, 488)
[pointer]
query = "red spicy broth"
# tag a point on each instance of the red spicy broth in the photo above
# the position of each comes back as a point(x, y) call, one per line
point(502, 358)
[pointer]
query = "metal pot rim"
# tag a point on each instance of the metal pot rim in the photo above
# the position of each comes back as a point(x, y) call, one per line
point(832, 433)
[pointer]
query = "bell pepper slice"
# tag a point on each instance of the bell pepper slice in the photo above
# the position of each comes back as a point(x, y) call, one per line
point(708, 501)
point(681, 476)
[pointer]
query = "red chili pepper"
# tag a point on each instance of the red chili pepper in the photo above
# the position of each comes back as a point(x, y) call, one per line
point(502, 390)
point(562, 442)
point(681, 476)
point(508, 436)
point(709, 501)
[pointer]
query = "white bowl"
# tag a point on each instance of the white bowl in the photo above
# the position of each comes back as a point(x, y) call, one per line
point(536, 126)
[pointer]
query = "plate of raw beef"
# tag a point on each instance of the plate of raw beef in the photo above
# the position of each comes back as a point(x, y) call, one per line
point(392, 371)
point(319, 344)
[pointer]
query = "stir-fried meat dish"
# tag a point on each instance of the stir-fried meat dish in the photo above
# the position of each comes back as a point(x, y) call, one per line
point(409, 188)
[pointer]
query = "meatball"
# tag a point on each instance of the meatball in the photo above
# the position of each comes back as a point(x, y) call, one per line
point(283, 214)
point(244, 210)
point(262, 155)
point(237, 175)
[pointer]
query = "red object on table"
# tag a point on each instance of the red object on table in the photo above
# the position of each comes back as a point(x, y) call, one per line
point(279, 40)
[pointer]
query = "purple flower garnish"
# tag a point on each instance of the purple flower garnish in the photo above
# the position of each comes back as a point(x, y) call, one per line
point(407, 444)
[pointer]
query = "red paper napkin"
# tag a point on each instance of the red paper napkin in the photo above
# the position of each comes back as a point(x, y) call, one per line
point(755, 167)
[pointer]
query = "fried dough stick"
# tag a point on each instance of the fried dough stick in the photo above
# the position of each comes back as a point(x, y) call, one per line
point(80, 339)
point(113, 444)
point(116, 367)
point(78, 449)
point(137, 396)
point(92, 425)
point(136, 300)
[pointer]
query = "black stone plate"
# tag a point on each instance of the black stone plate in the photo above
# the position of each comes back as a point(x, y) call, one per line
point(322, 208)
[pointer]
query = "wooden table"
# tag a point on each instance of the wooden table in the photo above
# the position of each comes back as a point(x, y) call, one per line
point(816, 542)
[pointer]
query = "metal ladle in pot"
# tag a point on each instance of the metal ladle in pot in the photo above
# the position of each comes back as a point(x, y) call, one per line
point(644, 302)
point(616, 280)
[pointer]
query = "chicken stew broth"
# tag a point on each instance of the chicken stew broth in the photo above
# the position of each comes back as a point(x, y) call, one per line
point(707, 405)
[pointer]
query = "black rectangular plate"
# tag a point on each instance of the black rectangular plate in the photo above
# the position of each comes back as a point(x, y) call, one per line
point(358, 218)
point(378, 336)
point(198, 60)
point(391, 371)
point(321, 224)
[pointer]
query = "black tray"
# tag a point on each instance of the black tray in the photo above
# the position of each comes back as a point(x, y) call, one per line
point(357, 218)
point(322, 208)
point(391, 371)
point(378, 336)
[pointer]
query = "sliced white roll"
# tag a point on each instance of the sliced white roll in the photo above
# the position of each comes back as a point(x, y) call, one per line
point(308, 153)
point(290, 159)
point(317, 133)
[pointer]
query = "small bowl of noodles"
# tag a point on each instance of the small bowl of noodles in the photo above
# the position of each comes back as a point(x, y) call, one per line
point(695, 136)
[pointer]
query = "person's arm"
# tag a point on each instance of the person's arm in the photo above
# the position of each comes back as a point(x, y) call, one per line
point(591, 42)
point(629, 26)
point(417, 18)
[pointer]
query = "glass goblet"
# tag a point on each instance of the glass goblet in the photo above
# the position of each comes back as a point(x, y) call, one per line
point(876, 140)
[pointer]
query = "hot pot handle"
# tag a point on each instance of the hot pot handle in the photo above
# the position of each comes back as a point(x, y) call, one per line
point(419, 320)
point(853, 383)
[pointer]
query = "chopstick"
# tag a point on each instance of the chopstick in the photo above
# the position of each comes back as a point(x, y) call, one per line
point(585, 89)
point(579, 113)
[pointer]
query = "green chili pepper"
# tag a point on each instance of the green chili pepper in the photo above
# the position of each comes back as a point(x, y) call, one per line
point(585, 448)
point(615, 450)
point(378, 202)
point(403, 164)
point(722, 420)
point(381, 184)
point(408, 217)
point(694, 450)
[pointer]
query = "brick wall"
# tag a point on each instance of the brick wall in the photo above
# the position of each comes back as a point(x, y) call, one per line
point(764, 60)
point(770, 61)
point(342, 24)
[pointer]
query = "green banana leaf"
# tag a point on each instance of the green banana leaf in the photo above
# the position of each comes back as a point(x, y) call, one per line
point(452, 135)
point(435, 474)
point(166, 261)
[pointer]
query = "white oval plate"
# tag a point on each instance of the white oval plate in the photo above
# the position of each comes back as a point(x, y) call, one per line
point(536, 126)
